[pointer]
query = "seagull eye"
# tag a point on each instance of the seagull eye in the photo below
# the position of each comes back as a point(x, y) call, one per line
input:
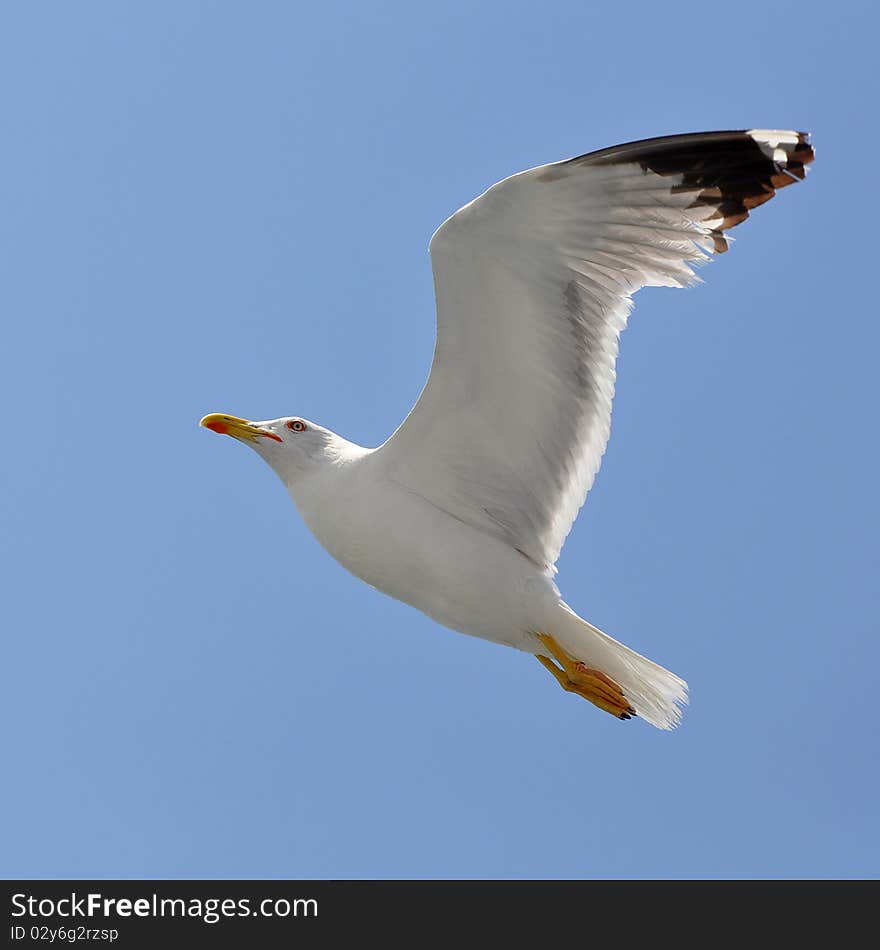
point(297, 425)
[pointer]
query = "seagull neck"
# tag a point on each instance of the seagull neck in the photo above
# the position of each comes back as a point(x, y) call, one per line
point(324, 478)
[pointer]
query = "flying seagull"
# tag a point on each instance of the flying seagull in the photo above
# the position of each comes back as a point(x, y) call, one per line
point(463, 511)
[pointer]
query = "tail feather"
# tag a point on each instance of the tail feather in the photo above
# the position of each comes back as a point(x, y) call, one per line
point(656, 694)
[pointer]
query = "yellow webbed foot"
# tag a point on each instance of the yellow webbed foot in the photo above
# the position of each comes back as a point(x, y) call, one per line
point(576, 677)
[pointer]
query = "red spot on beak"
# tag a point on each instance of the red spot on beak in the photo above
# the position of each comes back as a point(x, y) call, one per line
point(220, 427)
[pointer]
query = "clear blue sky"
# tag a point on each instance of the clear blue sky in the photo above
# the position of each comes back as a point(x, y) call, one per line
point(222, 206)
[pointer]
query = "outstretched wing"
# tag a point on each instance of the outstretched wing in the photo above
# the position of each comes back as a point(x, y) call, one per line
point(533, 282)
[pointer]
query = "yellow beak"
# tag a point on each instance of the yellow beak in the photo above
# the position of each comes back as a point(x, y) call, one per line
point(237, 428)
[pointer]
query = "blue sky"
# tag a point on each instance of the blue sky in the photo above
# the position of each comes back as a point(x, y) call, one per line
point(218, 206)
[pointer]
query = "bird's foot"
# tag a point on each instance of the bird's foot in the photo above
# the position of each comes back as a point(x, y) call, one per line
point(576, 677)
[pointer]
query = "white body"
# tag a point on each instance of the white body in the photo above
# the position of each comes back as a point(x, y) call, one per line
point(463, 578)
point(395, 540)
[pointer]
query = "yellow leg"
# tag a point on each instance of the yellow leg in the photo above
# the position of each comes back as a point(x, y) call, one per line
point(560, 675)
point(576, 677)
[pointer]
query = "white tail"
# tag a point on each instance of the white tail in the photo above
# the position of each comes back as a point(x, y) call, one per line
point(656, 694)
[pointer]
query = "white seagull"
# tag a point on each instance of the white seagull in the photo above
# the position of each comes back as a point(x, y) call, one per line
point(463, 511)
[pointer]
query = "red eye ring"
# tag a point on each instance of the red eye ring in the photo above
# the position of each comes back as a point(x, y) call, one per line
point(296, 425)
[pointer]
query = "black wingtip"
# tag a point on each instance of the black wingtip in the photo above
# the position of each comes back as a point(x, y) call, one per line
point(734, 172)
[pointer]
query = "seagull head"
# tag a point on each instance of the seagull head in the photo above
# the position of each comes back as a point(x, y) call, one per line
point(293, 446)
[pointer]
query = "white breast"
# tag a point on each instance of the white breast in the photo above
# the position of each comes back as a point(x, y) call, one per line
point(402, 545)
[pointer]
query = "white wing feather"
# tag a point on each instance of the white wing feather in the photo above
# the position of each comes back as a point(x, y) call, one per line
point(533, 283)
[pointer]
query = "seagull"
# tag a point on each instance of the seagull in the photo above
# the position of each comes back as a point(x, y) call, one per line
point(463, 511)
